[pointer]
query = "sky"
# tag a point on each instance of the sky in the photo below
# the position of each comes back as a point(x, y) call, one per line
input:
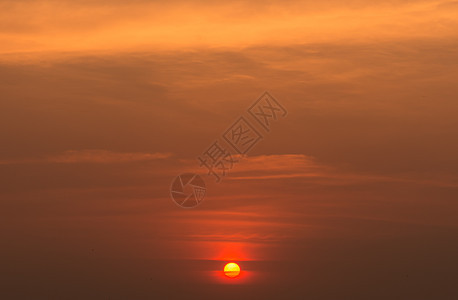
point(351, 195)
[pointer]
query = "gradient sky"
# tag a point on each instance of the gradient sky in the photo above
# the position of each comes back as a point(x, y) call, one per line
point(352, 196)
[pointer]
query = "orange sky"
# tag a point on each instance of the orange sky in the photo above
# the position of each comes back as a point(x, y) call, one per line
point(67, 26)
point(103, 103)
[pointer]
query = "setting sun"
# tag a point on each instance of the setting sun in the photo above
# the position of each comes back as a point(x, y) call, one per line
point(231, 270)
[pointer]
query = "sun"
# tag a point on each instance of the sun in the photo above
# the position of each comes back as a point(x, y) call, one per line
point(231, 270)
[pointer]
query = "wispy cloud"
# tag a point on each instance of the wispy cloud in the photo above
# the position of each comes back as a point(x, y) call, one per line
point(91, 156)
point(71, 26)
point(283, 163)
point(290, 166)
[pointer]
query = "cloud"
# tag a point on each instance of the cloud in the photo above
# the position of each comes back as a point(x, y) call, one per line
point(91, 156)
point(297, 166)
point(283, 163)
point(43, 26)
point(448, 5)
